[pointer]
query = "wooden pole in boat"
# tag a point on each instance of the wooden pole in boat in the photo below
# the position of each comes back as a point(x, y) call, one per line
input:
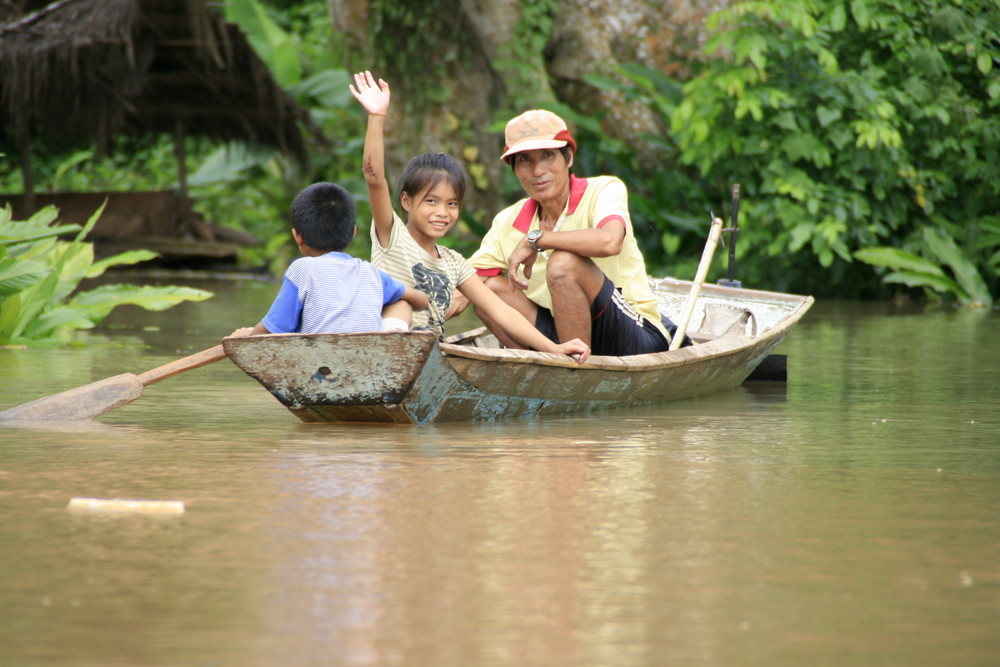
point(699, 279)
point(734, 232)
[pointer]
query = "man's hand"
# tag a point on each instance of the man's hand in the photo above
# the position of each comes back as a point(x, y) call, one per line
point(375, 99)
point(522, 255)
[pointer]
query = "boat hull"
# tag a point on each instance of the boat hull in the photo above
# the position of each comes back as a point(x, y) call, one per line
point(413, 378)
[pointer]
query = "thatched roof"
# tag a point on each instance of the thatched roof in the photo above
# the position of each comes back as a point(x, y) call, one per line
point(93, 69)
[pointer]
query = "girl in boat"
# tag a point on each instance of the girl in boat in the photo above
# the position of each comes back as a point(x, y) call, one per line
point(431, 192)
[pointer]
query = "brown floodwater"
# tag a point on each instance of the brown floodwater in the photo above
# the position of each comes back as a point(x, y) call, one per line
point(848, 517)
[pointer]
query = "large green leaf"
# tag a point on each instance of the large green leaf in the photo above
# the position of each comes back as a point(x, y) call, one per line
point(328, 87)
point(273, 45)
point(945, 248)
point(225, 165)
point(88, 308)
point(34, 301)
point(10, 312)
point(72, 261)
point(937, 283)
point(124, 258)
point(894, 258)
point(19, 274)
point(92, 221)
point(17, 233)
point(145, 296)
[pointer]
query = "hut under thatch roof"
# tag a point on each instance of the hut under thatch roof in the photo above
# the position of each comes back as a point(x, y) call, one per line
point(86, 71)
point(89, 70)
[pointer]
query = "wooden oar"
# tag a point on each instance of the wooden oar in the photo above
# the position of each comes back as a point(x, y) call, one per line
point(699, 279)
point(97, 398)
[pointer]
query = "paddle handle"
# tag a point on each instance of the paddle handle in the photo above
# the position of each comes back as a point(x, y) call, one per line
point(706, 260)
point(197, 360)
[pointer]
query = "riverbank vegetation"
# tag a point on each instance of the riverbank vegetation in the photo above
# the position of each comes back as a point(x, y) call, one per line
point(40, 276)
point(863, 137)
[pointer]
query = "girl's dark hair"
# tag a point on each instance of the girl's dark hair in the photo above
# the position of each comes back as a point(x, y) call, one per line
point(429, 169)
point(323, 215)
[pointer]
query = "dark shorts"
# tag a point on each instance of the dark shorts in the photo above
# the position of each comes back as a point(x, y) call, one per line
point(616, 329)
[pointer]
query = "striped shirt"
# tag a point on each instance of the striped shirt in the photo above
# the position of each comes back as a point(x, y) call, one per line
point(332, 293)
point(410, 264)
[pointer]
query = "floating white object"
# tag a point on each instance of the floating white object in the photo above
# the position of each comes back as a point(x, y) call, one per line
point(122, 505)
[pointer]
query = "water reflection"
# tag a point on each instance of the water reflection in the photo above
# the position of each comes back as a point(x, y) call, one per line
point(848, 517)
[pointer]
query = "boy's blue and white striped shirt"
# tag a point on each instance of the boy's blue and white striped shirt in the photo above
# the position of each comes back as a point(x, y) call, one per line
point(332, 293)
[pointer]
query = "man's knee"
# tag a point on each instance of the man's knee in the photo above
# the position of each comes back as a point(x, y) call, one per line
point(563, 266)
point(566, 269)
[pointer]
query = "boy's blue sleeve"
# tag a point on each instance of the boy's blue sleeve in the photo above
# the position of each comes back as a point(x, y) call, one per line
point(285, 314)
point(392, 289)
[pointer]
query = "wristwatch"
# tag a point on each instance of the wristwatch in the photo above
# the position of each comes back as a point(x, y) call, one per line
point(533, 237)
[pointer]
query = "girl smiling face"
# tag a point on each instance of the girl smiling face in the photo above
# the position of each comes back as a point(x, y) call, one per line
point(431, 213)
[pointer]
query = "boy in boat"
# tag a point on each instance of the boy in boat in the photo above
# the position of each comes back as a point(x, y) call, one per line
point(327, 290)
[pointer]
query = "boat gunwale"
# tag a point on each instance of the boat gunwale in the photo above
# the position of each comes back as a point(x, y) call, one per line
point(725, 344)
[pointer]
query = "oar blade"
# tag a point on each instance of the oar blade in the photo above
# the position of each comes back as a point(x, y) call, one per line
point(83, 402)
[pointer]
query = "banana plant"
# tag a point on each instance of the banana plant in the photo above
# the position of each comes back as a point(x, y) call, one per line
point(964, 282)
point(40, 275)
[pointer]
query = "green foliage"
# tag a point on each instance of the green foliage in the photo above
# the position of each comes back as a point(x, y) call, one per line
point(422, 41)
point(274, 46)
point(851, 126)
point(523, 56)
point(234, 185)
point(670, 203)
point(912, 270)
point(40, 276)
point(260, 185)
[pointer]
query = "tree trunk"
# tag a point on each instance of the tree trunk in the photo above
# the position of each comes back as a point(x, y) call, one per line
point(492, 59)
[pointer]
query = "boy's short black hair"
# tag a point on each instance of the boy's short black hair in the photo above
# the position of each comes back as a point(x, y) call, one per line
point(323, 215)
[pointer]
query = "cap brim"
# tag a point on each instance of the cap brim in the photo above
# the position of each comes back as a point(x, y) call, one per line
point(533, 145)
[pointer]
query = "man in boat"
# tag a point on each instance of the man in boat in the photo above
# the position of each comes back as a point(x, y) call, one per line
point(572, 264)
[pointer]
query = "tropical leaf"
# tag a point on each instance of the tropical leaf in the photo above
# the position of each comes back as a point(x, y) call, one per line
point(34, 301)
point(19, 274)
point(144, 296)
point(92, 221)
point(88, 308)
point(274, 46)
point(937, 283)
point(39, 273)
point(17, 233)
point(973, 285)
point(225, 165)
point(125, 258)
point(10, 311)
point(328, 87)
point(894, 258)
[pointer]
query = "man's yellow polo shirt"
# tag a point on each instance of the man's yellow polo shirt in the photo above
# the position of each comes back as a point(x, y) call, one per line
point(593, 203)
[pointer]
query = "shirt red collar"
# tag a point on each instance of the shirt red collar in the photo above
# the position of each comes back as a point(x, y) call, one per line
point(577, 188)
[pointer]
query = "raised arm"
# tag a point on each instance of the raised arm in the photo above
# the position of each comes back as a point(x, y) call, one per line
point(375, 99)
point(514, 324)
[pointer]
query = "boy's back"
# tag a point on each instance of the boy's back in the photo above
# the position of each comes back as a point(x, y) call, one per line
point(331, 293)
point(327, 290)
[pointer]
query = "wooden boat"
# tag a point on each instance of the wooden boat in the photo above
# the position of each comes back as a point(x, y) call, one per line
point(411, 377)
